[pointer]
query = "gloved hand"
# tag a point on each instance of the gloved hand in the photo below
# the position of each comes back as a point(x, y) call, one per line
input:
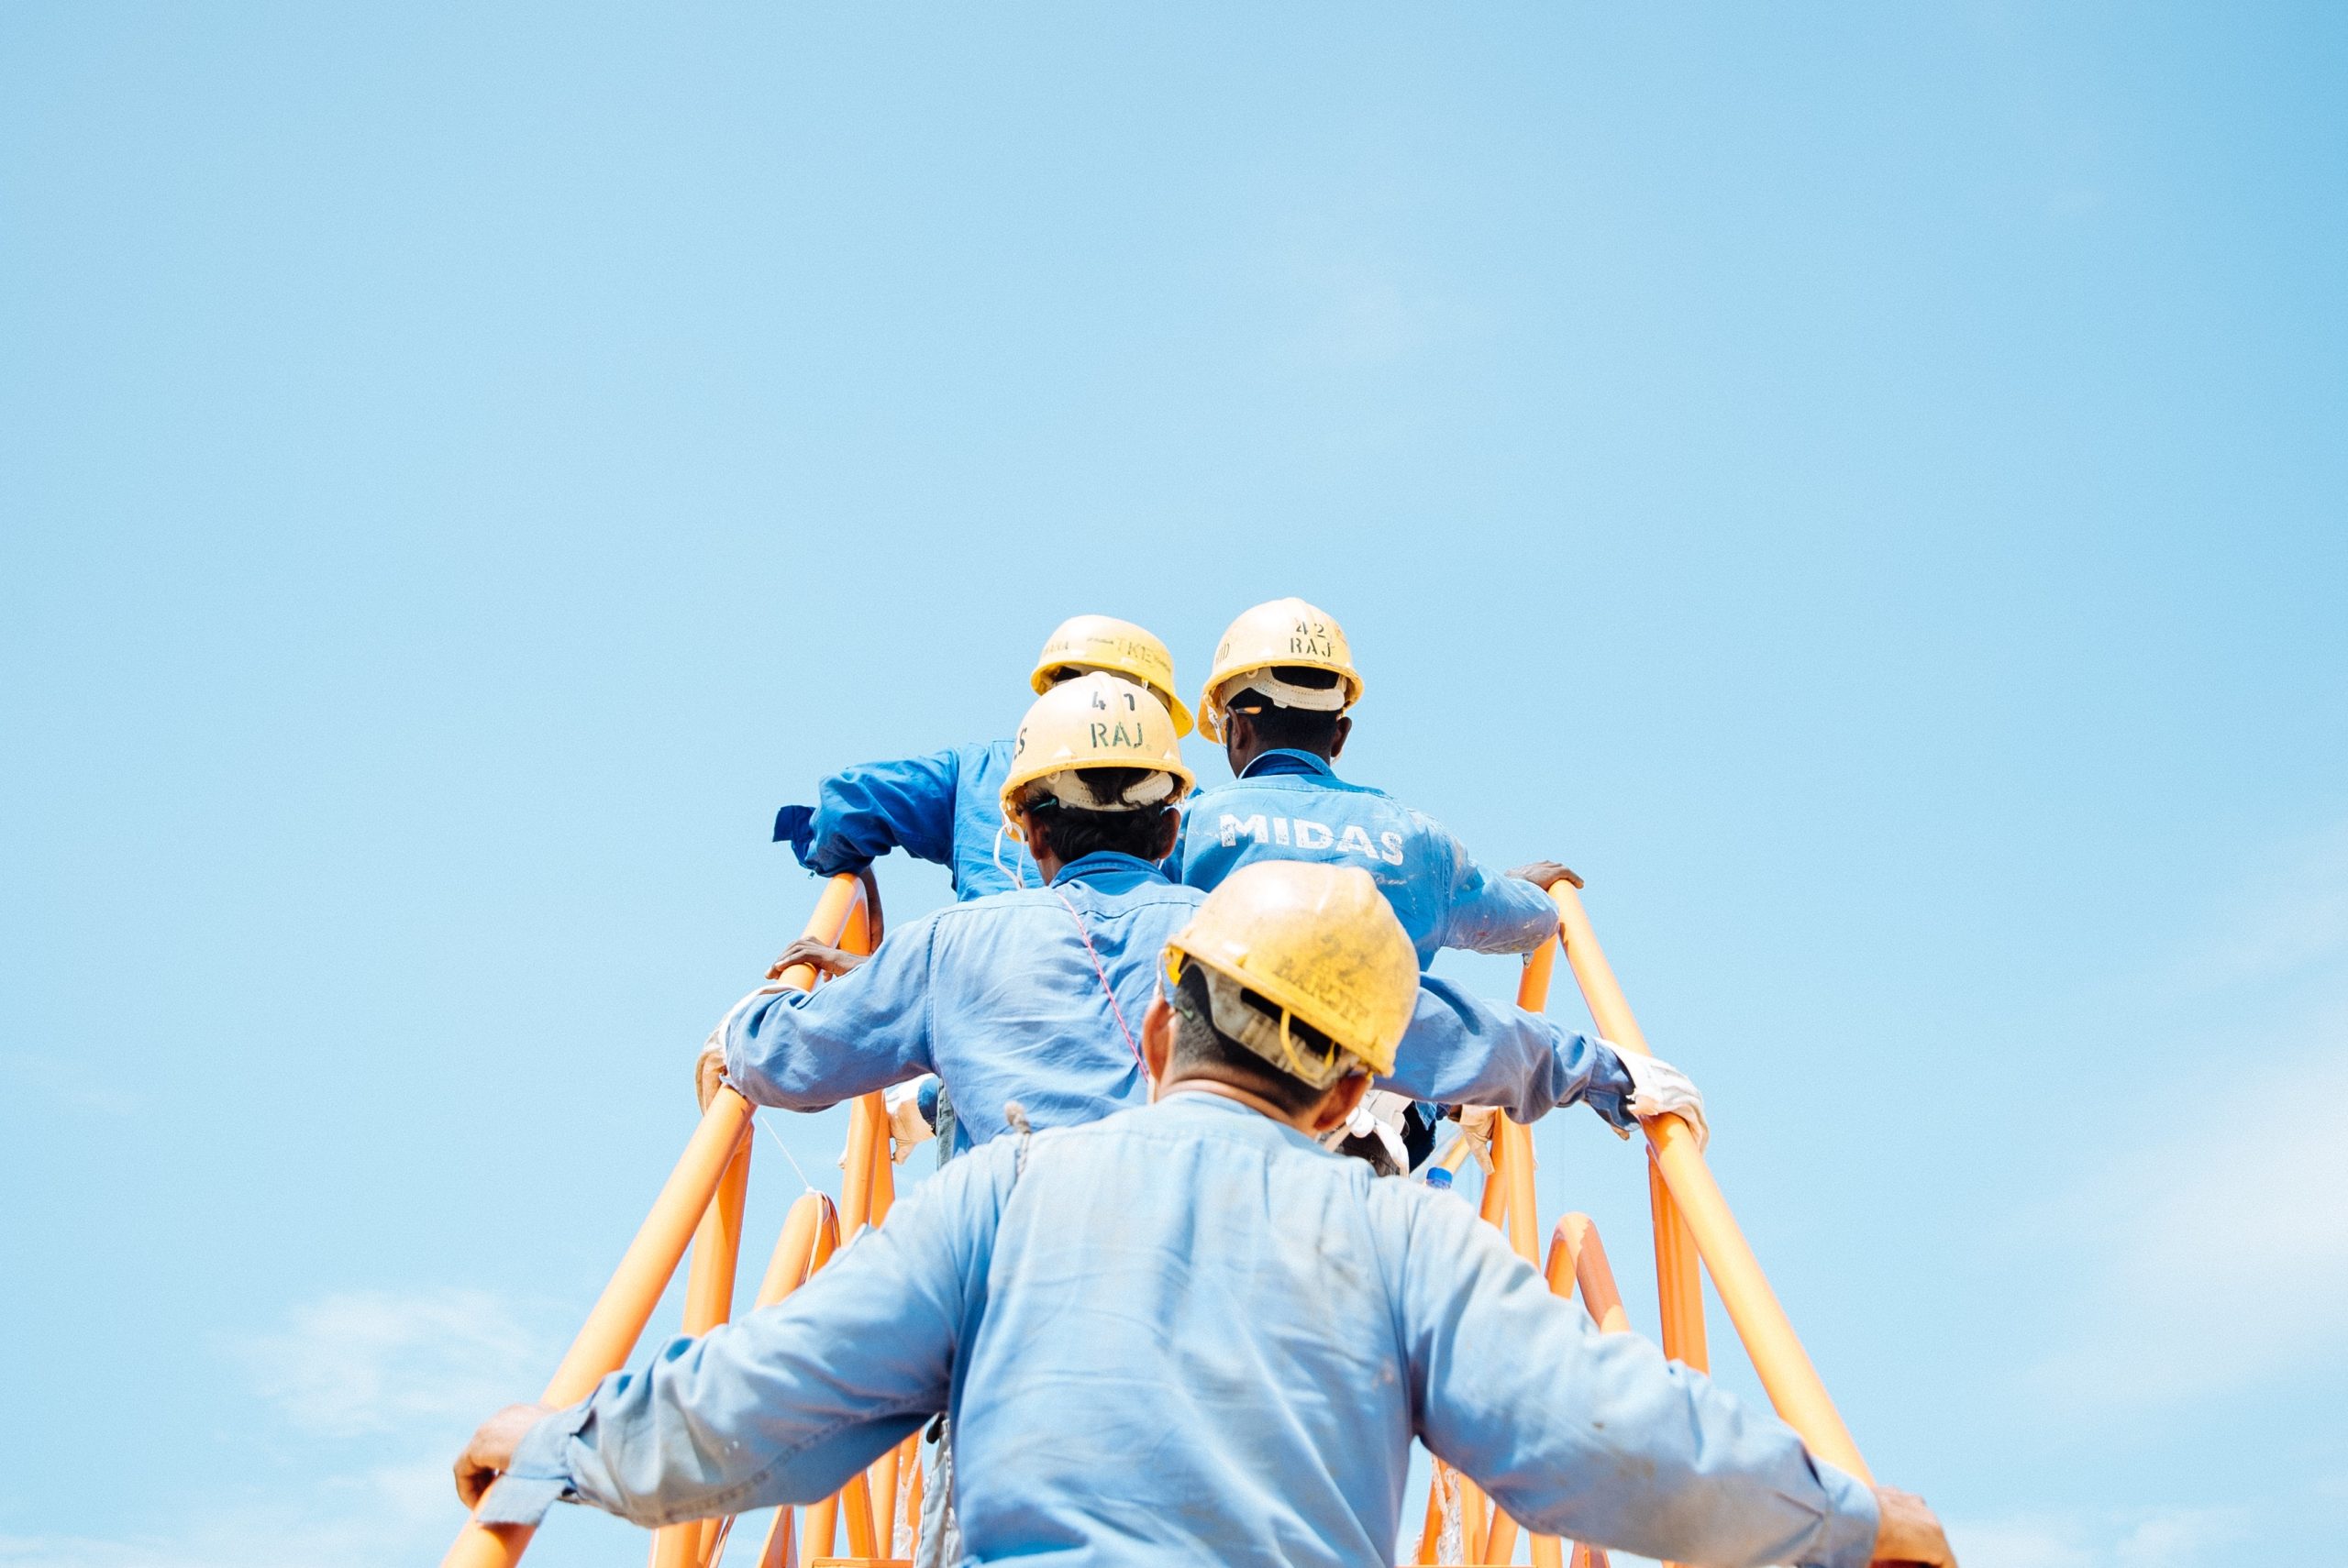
point(1477, 1122)
point(709, 1067)
point(907, 1127)
point(1659, 1089)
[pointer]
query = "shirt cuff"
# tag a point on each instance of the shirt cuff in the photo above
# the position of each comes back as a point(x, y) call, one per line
point(1610, 1088)
point(1848, 1538)
point(540, 1475)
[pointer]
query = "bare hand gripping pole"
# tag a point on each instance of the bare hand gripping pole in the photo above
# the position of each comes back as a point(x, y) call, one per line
point(1786, 1374)
point(627, 1302)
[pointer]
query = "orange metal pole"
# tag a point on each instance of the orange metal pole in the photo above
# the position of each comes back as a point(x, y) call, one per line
point(867, 1124)
point(1577, 1257)
point(619, 1315)
point(1784, 1367)
point(709, 1301)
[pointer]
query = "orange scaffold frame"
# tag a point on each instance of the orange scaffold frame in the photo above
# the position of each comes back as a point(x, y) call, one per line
point(701, 1205)
point(1691, 1221)
point(703, 1202)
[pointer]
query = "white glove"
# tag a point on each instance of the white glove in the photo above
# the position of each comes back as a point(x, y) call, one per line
point(906, 1128)
point(1659, 1089)
point(1378, 1117)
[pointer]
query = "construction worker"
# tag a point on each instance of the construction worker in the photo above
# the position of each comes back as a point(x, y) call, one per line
point(1188, 1334)
point(942, 807)
point(1276, 699)
point(1033, 998)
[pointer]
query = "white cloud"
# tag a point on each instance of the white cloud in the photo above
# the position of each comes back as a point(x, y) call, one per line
point(399, 1376)
point(362, 1362)
point(2159, 1538)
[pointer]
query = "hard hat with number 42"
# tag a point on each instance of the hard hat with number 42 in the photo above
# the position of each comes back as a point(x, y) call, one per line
point(1319, 941)
point(1097, 721)
point(1284, 633)
point(1102, 642)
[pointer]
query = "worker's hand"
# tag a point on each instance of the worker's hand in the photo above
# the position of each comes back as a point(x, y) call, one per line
point(904, 1122)
point(1477, 1121)
point(826, 959)
point(1909, 1532)
point(907, 1128)
point(709, 1071)
point(491, 1449)
point(1659, 1089)
point(1544, 875)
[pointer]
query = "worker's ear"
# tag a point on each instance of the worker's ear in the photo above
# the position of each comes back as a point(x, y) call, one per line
point(1336, 1106)
point(1156, 1041)
point(1238, 737)
point(1337, 736)
point(1169, 831)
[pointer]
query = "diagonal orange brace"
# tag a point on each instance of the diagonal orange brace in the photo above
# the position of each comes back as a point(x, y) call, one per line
point(1784, 1367)
point(626, 1303)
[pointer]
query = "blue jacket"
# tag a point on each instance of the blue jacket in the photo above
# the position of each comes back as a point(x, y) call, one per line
point(945, 808)
point(1186, 1334)
point(1000, 998)
point(1291, 805)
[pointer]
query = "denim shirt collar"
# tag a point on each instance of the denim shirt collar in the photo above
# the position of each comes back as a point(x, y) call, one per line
point(1109, 865)
point(1282, 759)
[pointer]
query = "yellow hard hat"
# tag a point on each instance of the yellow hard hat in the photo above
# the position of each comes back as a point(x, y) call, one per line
point(1284, 632)
point(1321, 943)
point(1097, 721)
point(1104, 642)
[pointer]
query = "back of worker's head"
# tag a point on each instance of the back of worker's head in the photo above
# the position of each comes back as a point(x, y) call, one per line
point(1096, 767)
point(1291, 979)
point(1286, 667)
point(1084, 644)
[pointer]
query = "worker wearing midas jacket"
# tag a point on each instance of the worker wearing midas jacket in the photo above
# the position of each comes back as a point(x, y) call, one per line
point(1188, 1334)
point(1035, 996)
point(946, 807)
point(1276, 698)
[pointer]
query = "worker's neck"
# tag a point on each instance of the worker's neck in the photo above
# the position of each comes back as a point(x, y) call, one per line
point(1244, 756)
point(1306, 1121)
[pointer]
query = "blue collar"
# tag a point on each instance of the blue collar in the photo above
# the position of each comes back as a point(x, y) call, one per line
point(1281, 759)
point(1108, 863)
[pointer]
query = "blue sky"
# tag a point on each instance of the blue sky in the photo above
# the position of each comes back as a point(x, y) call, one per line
point(1863, 484)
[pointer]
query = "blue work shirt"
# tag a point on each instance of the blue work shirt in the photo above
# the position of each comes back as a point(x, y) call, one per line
point(1001, 998)
point(1188, 1334)
point(1291, 805)
point(945, 808)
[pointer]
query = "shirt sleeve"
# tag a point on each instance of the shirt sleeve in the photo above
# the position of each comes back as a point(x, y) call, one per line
point(1608, 1443)
point(868, 1029)
point(1489, 912)
point(1461, 1050)
point(862, 813)
point(788, 1404)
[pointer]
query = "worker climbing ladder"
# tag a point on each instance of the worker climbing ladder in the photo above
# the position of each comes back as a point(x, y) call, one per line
point(702, 1206)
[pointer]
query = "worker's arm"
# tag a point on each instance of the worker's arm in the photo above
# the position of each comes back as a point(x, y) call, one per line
point(868, 1029)
point(1595, 1437)
point(862, 813)
point(1485, 911)
point(1460, 1050)
point(784, 1406)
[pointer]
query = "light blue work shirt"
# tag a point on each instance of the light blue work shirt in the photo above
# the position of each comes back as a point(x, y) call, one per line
point(1291, 805)
point(945, 808)
point(1001, 998)
point(1186, 1334)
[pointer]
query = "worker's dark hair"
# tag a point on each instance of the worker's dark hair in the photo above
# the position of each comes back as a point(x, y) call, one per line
point(1200, 1047)
point(1291, 729)
point(1072, 834)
